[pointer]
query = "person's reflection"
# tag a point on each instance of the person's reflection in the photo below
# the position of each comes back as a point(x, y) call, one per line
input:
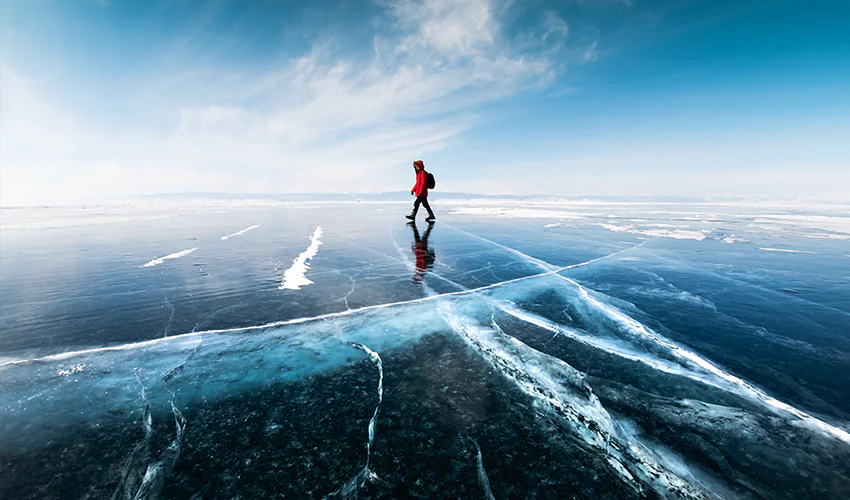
point(424, 256)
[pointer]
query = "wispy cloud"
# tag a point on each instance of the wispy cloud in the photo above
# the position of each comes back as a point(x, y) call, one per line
point(452, 29)
point(331, 110)
point(591, 54)
point(449, 57)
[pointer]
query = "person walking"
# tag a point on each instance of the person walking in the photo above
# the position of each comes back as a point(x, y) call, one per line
point(420, 190)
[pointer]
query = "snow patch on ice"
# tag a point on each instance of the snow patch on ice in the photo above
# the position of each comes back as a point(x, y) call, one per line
point(520, 213)
point(659, 233)
point(65, 220)
point(785, 250)
point(240, 233)
point(822, 222)
point(71, 370)
point(554, 224)
point(829, 236)
point(733, 239)
point(295, 277)
point(176, 255)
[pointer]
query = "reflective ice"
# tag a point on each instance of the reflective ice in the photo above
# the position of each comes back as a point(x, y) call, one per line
point(528, 350)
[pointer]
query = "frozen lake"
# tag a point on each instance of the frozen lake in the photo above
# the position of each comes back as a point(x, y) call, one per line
point(512, 350)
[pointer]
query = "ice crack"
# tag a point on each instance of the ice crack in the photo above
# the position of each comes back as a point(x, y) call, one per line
point(170, 317)
point(128, 479)
point(320, 317)
point(158, 472)
point(147, 420)
point(350, 488)
point(737, 385)
point(483, 480)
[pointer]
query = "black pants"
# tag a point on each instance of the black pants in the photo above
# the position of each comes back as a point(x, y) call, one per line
point(423, 200)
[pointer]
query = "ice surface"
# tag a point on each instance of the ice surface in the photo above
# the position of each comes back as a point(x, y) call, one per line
point(636, 328)
point(571, 360)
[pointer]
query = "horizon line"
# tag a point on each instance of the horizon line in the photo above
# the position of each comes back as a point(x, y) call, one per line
point(351, 197)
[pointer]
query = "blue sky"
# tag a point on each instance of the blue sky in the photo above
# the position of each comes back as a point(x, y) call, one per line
point(575, 97)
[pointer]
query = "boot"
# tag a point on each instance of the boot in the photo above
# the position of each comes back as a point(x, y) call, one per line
point(412, 216)
point(430, 217)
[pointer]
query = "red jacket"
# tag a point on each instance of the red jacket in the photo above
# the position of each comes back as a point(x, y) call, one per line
point(421, 187)
point(421, 251)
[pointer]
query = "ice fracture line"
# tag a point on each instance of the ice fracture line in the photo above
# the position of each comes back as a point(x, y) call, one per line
point(125, 486)
point(158, 472)
point(744, 388)
point(320, 317)
point(350, 488)
point(483, 480)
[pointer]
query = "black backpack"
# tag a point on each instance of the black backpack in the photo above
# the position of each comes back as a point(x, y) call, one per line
point(431, 181)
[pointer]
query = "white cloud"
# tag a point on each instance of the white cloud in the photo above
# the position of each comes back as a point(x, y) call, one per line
point(454, 28)
point(591, 54)
point(324, 122)
point(555, 26)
